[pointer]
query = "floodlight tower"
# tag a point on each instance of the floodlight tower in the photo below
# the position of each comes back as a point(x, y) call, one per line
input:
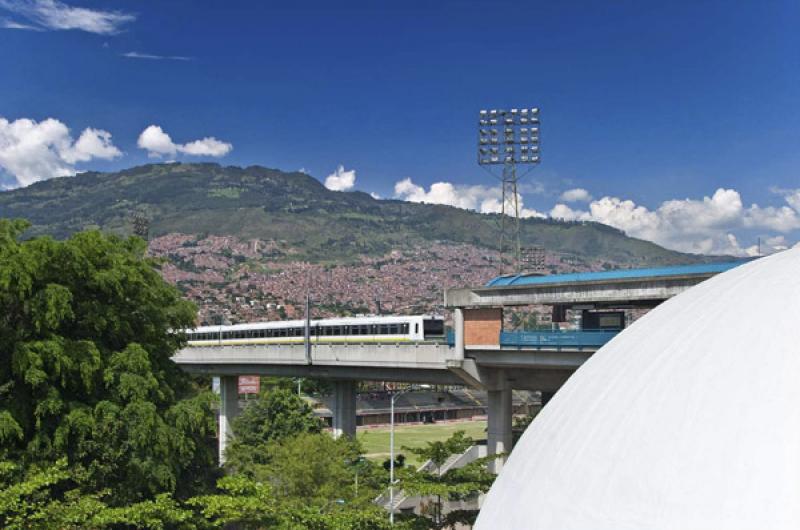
point(508, 138)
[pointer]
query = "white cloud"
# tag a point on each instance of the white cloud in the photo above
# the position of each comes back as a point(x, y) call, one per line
point(55, 15)
point(149, 56)
point(92, 143)
point(208, 146)
point(702, 226)
point(374, 195)
point(157, 143)
point(341, 179)
point(31, 151)
point(576, 195)
point(792, 196)
point(477, 197)
point(11, 24)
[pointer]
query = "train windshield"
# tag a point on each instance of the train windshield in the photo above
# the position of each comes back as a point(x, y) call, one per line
point(433, 327)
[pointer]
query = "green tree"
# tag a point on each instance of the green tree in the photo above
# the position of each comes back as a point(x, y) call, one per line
point(316, 469)
point(248, 504)
point(453, 484)
point(87, 329)
point(33, 502)
point(278, 413)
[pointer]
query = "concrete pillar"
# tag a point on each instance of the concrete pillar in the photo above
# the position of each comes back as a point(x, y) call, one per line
point(228, 410)
point(458, 329)
point(344, 408)
point(499, 425)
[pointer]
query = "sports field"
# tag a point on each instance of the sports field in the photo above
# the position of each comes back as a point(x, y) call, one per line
point(375, 440)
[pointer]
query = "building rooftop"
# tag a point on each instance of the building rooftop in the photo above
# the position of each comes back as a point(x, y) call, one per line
point(679, 270)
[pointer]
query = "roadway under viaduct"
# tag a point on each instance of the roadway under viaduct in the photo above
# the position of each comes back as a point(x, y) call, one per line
point(478, 356)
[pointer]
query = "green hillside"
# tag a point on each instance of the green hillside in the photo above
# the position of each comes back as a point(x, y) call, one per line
point(257, 202)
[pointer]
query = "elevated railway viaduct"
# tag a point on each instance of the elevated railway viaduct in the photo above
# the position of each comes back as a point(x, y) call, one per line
point(479, 354)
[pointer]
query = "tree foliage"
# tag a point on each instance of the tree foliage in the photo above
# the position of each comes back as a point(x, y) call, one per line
point(452, 484)
point(86, 335)
point(277, 414)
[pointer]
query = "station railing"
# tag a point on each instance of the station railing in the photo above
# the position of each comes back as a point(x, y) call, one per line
point(546, 339)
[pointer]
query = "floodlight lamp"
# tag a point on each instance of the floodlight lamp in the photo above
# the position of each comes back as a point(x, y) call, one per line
point(483, 122)
point(509, 159)
point(494, 150)
point(524, 111)
point(494, 159)
point(510, 149)
point(535, 159)
point(509, 121)
point(534, 130)
point(523, 158)
point(483, 151)
point(513, 111)
point(493, 112)
point(493, 131)
point(509, 130)
point(483, 113)
point(494, 140)
point(523, 120)
point(493, 121)
point(534, 121)
point(535, 110)
point(484, 132)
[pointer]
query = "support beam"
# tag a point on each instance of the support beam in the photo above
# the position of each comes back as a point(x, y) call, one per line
point(458, 329)
point(499, 425)
point(344, 408)
point(228, 410)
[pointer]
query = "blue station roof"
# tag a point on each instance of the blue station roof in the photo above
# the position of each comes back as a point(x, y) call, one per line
point(621, 274)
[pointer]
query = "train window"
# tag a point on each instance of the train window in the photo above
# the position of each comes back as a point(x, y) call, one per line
point(404, 329)
point(394, 329)
point(416, 327)
point(384, 329)
point(433, 327)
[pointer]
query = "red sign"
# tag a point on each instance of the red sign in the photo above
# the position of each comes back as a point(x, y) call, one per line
point(249, 384)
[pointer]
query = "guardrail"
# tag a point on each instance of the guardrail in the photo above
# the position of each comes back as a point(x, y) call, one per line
point(580, 338)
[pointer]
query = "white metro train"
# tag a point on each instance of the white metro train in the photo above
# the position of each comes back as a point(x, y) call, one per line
point(353, 329)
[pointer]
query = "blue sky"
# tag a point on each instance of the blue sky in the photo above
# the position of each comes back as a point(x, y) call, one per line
point(679, 120)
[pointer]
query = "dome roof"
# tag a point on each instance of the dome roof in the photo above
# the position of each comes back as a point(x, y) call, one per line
point(688, 420)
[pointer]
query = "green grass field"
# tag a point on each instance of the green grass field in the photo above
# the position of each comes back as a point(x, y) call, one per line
point(375, 441)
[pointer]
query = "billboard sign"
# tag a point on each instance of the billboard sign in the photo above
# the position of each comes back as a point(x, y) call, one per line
point(249, 384)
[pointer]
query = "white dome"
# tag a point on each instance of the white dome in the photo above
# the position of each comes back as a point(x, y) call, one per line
point(688, 420)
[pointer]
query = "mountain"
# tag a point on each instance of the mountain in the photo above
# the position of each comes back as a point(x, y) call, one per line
point(296, 210)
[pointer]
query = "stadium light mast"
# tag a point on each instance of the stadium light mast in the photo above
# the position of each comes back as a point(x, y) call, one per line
point(507, 138)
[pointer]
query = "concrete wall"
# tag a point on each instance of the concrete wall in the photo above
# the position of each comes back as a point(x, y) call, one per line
point(482, 326)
